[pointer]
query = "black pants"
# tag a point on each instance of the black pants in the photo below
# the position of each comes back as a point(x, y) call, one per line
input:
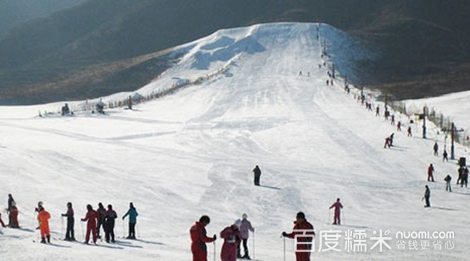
point(131, 230)
point(428, 203)
point(245, 247)
point(99, 224)
point(109, 231)
point(256, 181)
point(69, 234)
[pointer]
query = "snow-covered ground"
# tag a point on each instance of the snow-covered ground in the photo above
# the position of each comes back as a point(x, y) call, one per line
point(192, 153)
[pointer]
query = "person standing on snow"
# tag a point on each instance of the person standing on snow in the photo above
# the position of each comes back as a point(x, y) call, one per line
point(90, 217)
point(43, 219)
point(427, 196)
point(431, 173)
point(13, 213)
point(245, 229)
point(444, 155)
point(305, 233)
point(199, 239)
point(101, 213)
point(10, 202)
point(409, 131)
point(448, 180)
point(338, 206)
point(132, 213)
point(464, 180)
point(387, 142)
point(109, 221)
point(69, 234)
point(232, 238)
point(257, 175)
point(436, 149)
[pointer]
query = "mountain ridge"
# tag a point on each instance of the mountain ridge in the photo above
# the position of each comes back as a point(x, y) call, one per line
point(98, 32)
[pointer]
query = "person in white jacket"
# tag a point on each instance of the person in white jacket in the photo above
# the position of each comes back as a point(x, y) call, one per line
point(245, 227)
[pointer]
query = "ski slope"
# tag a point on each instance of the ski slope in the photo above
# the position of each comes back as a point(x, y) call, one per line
point(192, 153)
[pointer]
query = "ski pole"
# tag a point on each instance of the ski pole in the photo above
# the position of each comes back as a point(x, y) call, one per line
point(214, 250)
point(284, 248)
point(254, 245)
point(329, 215)
point(343, 217)
point(123, 229)
point(83, 233)
point(62, 225)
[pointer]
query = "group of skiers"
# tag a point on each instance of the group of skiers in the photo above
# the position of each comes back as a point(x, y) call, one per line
point(237, 234)
point(96, 219)
point(232, 235)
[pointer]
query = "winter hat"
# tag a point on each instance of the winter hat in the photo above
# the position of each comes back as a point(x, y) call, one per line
point(237, 223)
point(205, 219)
point(244, 216)
point(300, 215)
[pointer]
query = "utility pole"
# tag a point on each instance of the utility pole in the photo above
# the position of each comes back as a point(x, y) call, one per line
point(424, 123)
point(452, 156)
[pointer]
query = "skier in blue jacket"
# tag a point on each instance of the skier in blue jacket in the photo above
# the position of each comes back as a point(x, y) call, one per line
point(132, 213)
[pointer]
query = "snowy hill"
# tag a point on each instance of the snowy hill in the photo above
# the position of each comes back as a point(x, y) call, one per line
point(192, 153)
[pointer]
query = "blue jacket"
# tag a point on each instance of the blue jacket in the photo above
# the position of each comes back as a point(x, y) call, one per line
point(132, 215)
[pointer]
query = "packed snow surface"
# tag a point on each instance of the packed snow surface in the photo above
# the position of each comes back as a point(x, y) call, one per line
point(262, 100)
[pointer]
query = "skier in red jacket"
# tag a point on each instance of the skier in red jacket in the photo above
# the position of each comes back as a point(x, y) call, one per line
point(91, 217)
point(232, 239)
point(303, 232)
point(199, 239)
point(338, 206)
point(431, 173)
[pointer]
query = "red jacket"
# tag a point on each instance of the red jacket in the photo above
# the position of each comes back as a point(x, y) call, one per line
point(199, 240)
point(306, 229)
point(91, 217)
point(232, 239)
point(338, 206)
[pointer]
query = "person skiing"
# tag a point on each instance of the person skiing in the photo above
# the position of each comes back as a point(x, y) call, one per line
point(43, 219)
point(13, 213)
point(10, 202)
point(303, 231)
point(431, 173)
point(109, 221)
point(199, 238)
point(460, 172)
point(101, 213)
point(245, 229)
point(444, 155)
point(132, 213)
point(464, 180)
point(69, 234)
point(427, 196)
point(257, 175)
point(387, 142)
point(338, 206)
point(90, 217)
point(391, 139)
point(399, 126)
point(448, 179)
point(232, 238)
point(436, 149)
point(409, 131)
